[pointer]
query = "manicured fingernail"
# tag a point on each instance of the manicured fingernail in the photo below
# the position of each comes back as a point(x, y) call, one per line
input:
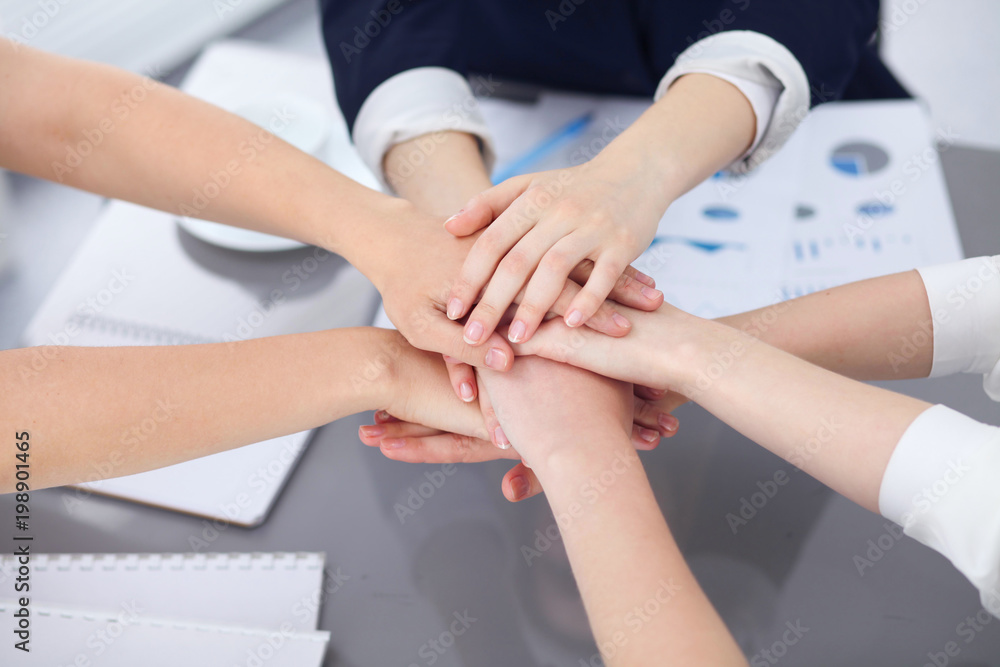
point(620, 320)
point(518, 486)
point(648, 435)
point(668, 422)
point(473, 332)
point(467, 394)
point(382, 415)
point(500, 438)
point(517, 331)
point(460, 212)
point(393, 443)
point(372, 431)
point(454, 309)
point(644, 279)
point(496, 359)
point(651, 294)
point(574, 318)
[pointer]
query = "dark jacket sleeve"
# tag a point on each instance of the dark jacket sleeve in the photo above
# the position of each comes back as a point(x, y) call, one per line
point(369, 41)
point(829, 38)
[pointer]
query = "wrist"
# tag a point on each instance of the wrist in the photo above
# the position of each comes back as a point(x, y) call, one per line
point(374, 378)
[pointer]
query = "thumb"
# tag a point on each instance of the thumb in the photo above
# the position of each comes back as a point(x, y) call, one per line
point(485, 207)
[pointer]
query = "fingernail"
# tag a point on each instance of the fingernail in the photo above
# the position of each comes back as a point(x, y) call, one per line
point(644, 279)
point(518, 486)
point(467, 394)
point(517, 331)
point(381, 416)
point(668, 422)
point(372, 431)
point(460, 212)
point(393, 443)
point(651, 294)
point(473, 332)
point(648, 435)
point(574, 318)
point(500, 438)
point(496, 359)
point(454, 309)
point(621, 321)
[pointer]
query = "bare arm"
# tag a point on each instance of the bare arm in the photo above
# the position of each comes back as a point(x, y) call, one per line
point(838, 430)
point(608, 517)
point(126, 410)
point(877, 329)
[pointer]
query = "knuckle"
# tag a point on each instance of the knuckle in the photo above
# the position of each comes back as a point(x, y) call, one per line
point(556, 261)
point(515, 263)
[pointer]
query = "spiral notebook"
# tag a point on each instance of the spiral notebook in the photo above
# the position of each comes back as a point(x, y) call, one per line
point(140, 279)
point(120, 610)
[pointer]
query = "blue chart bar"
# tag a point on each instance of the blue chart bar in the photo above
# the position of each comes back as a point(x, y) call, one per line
point(799, 255)
point(814, 249)
point(704, 246)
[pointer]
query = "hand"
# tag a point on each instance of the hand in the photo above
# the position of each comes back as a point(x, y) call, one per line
point(652, 355)
point(601, 213)
point(412, 262)
point(415, 443)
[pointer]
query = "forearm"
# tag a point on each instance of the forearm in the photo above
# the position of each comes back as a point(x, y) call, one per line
point(608, 517)
point(877, 329)
point(437, 172)
point(570, 426)
point(702, 124)
point(133, 409)
point(840, 431)
point(148, 143)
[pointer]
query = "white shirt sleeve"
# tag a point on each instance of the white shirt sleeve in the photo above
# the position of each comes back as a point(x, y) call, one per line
point(768, 75)
point(964, 299)
point(941, 486)
point(417, 102)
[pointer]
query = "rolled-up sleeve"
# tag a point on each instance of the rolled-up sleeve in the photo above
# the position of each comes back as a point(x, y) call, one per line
point(941, 486)
point(399, 73)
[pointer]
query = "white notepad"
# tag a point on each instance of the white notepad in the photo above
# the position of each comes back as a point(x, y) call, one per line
point(138, 279)
point(118, 610)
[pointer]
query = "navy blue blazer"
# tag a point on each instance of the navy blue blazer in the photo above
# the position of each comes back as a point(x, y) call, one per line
point(599, 46)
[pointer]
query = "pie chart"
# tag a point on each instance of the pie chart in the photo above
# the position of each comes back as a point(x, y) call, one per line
point(859, 158)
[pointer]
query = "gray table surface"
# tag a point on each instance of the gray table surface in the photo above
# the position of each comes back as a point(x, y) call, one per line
point(460, 551)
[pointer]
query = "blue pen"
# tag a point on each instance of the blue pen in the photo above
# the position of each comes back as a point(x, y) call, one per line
point(562, 136)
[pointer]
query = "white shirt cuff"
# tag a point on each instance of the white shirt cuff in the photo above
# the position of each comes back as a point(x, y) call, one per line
point(420, 101)
point(941, 486)
point(964, 299)
point(768, 75)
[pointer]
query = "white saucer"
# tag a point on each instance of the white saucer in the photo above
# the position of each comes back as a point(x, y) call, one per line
point(308, 130)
